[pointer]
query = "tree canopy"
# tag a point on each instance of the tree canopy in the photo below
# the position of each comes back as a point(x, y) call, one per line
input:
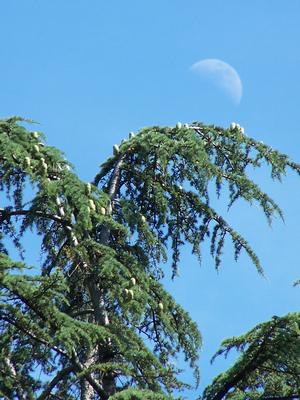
point(94, 318)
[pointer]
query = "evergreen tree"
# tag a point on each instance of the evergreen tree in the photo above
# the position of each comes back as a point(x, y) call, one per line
point(94, 318)
point(269, 366)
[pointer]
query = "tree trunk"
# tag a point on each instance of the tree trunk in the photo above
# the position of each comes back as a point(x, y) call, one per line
point(108, 381)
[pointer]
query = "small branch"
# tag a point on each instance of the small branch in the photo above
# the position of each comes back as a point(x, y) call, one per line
point(30, 304)
point(6, 213)
point(218, 148)
point(33, 336)
point(258, 357)
point(157, 336)
point(54, 382)
point(49, 268)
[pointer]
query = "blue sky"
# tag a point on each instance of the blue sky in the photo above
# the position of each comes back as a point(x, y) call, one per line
point(91, 71)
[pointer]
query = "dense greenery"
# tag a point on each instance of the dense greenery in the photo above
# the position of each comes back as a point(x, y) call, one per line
point(94, 321)
point(269, 367)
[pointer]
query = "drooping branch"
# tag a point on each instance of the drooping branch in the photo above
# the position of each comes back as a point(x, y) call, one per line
point(33, 336)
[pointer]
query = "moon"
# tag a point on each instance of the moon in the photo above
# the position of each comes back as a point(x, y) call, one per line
point(222, 75)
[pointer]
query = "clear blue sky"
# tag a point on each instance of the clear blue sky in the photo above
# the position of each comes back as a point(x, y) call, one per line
point(91, 71)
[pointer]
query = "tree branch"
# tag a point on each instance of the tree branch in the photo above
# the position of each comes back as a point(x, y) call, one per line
point(98, 388)
point(33, 336)
point(258, 357)
point(6, 213)
point(54, 382)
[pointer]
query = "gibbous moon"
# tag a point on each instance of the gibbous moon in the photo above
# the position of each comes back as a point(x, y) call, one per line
point(222, 75)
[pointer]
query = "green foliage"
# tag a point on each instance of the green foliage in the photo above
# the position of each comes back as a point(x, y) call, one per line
point(133, 394)
point(94, 317)
point(159, 162)
point(269, 366)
